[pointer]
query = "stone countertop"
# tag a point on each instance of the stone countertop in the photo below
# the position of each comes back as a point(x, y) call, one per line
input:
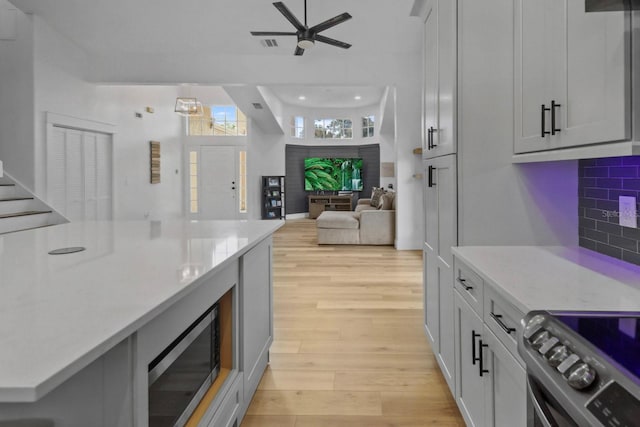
point(556, 278)
point(58, 313)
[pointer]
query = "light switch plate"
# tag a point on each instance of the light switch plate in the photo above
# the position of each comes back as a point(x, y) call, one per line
point(628, 212)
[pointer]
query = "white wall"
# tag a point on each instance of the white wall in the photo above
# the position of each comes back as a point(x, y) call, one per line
point(409, 216)
point(60, 86)
point(17, 100)
point(134, 196)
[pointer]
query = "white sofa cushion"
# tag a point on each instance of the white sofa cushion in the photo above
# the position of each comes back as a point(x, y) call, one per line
point(337, 219)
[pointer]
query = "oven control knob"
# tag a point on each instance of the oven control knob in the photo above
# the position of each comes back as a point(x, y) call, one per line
point(539, 339)
point(557, 355)
point(581, 376)
point(563, 368)
point(533, 325)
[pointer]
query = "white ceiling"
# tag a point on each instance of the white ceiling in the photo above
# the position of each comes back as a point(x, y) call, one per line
point(328, 96)
point(188, 29)
point(221, 26)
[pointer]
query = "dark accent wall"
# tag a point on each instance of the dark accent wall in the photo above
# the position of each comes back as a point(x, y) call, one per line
point(294, 170)
point(601, 182)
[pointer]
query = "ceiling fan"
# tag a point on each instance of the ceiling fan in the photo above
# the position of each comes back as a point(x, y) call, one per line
point(307, 36)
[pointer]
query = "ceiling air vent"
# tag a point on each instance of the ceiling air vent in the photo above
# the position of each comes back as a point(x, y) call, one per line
point(257, 105)
point(269, 43)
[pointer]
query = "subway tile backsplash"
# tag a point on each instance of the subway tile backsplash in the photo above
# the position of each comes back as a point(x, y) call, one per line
point(601, 183)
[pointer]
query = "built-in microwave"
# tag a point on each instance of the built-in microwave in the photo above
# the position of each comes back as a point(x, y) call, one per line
point(183, 372)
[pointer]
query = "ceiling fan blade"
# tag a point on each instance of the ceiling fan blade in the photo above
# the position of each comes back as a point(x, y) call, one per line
point(332, 42)
point(330, 22)
point(299, 51)
point(272, 33)
point(287, 14)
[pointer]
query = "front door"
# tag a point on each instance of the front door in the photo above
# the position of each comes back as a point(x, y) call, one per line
point(217, 181)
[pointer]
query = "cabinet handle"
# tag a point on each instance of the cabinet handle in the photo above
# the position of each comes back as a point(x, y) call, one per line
point(474, 358)
point(430, 182)
point(433, 130)
point(553, 117)
point(481, 369)
point(463, 282)
point(498, 320)
point(428, 140)
point(544, 110)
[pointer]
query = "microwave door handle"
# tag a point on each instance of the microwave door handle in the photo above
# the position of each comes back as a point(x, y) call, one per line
point(180, 347)
point(539, 406)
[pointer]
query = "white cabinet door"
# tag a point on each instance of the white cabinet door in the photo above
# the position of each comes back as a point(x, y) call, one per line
point(469, 384)
point(441, 234)
point(440, 74)
point(596, 78)
point(256, 296)
point(431, 299)
point(430, 76)
point(505, 386)
point(571, 75)
point(537, 30)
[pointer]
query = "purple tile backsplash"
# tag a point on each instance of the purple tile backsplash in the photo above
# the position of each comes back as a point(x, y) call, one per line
point(601, 182)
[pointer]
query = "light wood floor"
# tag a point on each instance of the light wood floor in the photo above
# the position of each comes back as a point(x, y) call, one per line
point(349, 346)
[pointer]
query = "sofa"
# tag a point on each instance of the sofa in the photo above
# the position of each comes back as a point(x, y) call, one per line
point(366, 225)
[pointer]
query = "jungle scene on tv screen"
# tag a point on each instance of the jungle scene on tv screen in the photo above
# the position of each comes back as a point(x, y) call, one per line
point(332, 174)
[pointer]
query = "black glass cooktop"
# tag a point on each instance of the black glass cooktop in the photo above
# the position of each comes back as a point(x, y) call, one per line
point(618, 336)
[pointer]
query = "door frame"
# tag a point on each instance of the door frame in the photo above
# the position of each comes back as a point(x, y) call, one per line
point(194, 144)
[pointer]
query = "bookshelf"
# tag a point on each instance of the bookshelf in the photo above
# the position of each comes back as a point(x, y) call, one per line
point(273, 198)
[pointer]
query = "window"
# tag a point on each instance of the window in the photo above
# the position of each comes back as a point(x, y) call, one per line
point(219, 120)
point(297, 127)
point(200, 125)
point(367, 126)
point(228, 121)
point(333, 128)
point(193, 181)
point(242, 181)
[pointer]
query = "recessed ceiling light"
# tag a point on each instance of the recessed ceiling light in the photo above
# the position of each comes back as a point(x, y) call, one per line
point(357, 97)
point(302, 97)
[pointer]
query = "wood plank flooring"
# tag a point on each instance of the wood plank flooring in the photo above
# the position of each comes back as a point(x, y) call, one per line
point(349, 346)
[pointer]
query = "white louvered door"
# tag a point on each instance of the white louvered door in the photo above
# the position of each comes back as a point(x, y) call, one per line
point(79, 174)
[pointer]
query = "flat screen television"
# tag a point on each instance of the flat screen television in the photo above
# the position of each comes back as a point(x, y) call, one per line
point(332, 174)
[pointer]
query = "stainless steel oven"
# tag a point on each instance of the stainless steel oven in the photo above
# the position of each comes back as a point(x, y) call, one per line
point(181, 374)
point(583, 369)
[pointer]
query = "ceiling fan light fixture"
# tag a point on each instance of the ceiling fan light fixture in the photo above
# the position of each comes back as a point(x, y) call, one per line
point(190, 107)
point(305, 44)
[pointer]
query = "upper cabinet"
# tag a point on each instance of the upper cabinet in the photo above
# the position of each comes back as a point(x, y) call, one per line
point(572, 77)
point(440, 74)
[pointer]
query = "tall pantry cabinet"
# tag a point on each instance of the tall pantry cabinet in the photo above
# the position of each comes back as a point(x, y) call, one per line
point(440, 179)
point(467, 120)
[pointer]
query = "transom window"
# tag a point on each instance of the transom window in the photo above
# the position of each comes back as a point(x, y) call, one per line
point(333, 128)
point(367, 126)
point(297, 127)
point(218, 120)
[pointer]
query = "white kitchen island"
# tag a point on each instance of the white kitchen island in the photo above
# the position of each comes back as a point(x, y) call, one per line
point(77, 331)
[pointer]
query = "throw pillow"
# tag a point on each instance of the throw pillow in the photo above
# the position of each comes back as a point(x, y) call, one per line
point(375, 196)
point(387, 201)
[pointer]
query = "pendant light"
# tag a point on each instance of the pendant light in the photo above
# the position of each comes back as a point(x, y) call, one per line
point(190, 107)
